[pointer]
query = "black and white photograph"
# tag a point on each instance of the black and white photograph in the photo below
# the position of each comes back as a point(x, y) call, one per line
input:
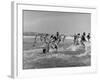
point(54, 39)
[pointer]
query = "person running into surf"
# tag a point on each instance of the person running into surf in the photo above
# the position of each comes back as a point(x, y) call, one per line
point(88, 37)
point(58, 37)
point(78, 39)
point(57, 34)
point(83, 39)
point(75, 37)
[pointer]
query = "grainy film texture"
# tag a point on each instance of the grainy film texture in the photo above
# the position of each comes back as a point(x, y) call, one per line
point(56, 39)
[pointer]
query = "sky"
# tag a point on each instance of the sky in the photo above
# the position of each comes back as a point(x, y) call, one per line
point(52, 22)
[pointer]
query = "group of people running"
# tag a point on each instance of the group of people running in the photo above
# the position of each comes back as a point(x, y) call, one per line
point(53, 40)
point(81, 39)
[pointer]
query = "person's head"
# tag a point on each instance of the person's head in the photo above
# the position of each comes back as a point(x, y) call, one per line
point(57, 32)
point(78, 34)
point(52, 36)
point(47, 34)
point(84, 33)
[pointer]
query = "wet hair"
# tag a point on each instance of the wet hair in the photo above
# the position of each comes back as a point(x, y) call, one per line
point(84, 33)
point(78, 34)
point(51, 36)
point(57, 32)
